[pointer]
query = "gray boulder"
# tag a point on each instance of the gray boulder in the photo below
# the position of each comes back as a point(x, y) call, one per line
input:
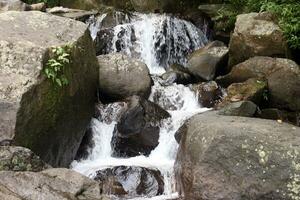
point(205, 62)
point(225, 157)
point(41, 115)
point(54, 184)
point(283, 78)
point(121, 77)
point(256, 34)
point(17, 5)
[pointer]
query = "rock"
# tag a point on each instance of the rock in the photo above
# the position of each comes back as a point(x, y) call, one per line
point(209, 93)
point(54, 184)
point(16, 5)
point(225, 157)
point(276, 114)
point(121, 77)
point(254, 90)
point(177, 74)
point(283, 77)
point(138, 130)
point(256, 34)
point(20, 159)
point(131, 181)
point(241, 108)
point(81, 4)
point(81, 15)
point(44, 117)
point(205, 63)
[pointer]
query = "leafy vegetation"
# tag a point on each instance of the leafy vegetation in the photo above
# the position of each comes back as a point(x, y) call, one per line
point(55, 67)
point(287, 11)
point(50, 3)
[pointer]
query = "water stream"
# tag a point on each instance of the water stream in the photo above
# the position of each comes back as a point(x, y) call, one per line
point(158, 40)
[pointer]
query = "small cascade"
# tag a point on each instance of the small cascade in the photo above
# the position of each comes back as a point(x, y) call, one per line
point(158, 40)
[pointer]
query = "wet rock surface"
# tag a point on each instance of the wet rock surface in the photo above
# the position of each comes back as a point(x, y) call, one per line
point(225, 157)
point(121, 76)
point(131, 181)
point(138, 129)
point(241, 108)
point(209, 93)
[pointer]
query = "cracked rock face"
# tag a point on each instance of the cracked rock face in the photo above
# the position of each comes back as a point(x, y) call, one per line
point(31, 105)
point(226, 157)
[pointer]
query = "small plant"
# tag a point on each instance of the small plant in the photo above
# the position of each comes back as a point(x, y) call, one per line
point(55, 66)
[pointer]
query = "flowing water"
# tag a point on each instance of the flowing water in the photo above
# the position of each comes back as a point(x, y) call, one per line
point(158, 40)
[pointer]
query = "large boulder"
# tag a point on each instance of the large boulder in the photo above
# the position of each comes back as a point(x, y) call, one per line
point(45, 116)
point(54, 184)
point(283, 77)
point(256, 34)
point(131, 181)
point(20, 159)
point(121, 77)
point(138, 130)
point(204, 63)
point(225, 157)
point(240, 108)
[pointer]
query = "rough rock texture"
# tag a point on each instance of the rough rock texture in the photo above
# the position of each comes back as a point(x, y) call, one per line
point(209, 93)
point(283, 115)
point(138, 130)
point(225, 157)
point(131, 181)
point(205, 62)
point(54, 184)
point(20, 159)
point(253, 89)
point(241, 108)
point(256, 34)
point(283, 77)
point(48, 119)
point(121, 77)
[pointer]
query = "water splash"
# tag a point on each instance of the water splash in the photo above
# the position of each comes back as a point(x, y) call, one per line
point(158, 40)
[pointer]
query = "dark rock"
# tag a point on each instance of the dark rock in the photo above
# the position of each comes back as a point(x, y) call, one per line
point(282, 115)
point(121, 77)
point(177, 74)
point(131, 181)
point(54, 184)
point(241, 108)
point(138, 130)
point(209, 93)
point(225, 157)
point(48, 119)
point(256, 34)
point(20, 159)
point(283, 77)
point(204, 63)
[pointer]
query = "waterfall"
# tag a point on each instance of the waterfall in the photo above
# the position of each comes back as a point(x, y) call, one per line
point(158, 40)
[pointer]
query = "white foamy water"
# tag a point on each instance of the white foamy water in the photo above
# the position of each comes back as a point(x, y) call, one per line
point(159, 40)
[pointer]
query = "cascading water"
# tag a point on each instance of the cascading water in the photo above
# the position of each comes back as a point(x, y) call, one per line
point(158, 40)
